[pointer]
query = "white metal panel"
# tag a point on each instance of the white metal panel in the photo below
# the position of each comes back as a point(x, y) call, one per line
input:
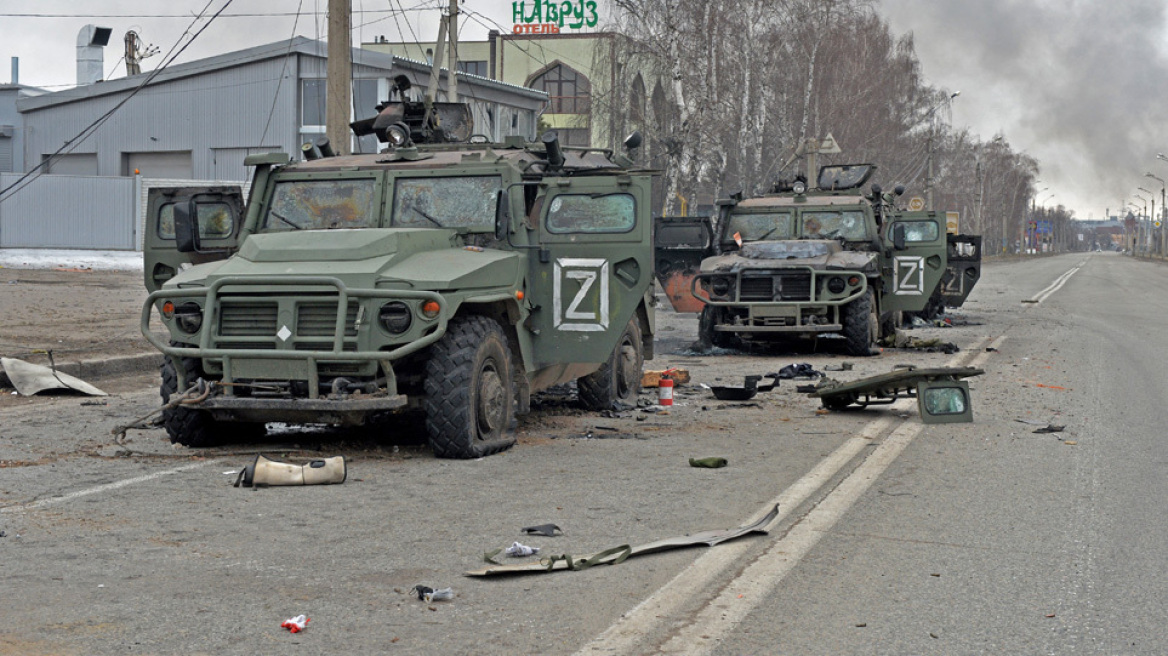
point(73, 164)
point(5, 154)
point(160, 165)
point(67, 211)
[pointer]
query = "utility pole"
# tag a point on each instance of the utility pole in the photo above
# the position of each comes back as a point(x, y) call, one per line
point(447, 40)
point(340, 75)
point(452, 68)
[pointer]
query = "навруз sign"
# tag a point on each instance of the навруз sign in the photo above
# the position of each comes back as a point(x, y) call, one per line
point(550, 17)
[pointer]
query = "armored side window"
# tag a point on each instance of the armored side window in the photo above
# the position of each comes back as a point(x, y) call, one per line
point(760, 226)
point(450, 202)
point(321, 205)
point(921, 231)
point(215, 221)
point(592, 213)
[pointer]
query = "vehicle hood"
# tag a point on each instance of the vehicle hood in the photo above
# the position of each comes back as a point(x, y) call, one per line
point(417, 258)
point(814, 253)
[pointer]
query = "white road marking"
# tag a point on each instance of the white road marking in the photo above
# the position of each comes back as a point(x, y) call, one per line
point(1056, 285)
point(750, 588)
point(102, 488)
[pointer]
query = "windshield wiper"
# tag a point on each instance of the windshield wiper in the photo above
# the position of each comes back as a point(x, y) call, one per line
point(285, 220)
point(424, 215)
point(768, 233)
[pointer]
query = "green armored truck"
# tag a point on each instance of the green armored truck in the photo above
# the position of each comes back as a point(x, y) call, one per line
point(803, 262)
point(441, 276)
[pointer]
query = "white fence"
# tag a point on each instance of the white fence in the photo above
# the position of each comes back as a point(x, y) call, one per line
point(78, 211)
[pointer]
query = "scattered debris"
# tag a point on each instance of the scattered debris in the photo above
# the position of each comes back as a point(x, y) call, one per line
point(749, 388)
point(428, 594)
point(1071, 443)
point(1050, 428)
point(843, 366)
point(296, 624)
point(708, 463)
point(653, 378)
point(990, 349)
point(30, 379)
point(264, 472)
point(617, 555)
point(802, 370)
point(518, 550)
point(546, 530)
point(941, 396)
point(655, 408)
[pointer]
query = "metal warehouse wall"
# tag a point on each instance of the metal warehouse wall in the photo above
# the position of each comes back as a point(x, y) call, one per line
point(203, 114)
point(69, 211)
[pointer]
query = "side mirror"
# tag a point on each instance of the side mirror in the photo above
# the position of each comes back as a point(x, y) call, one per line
point(944, 402)
point(186, 227)
point(502, 215)
point(898, 240)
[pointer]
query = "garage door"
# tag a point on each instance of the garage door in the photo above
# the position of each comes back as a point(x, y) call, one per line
point(175, 165)
point(73, 164)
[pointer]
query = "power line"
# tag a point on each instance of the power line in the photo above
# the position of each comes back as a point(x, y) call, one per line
point(90, 129)
point(240, 15)
point(283, 69)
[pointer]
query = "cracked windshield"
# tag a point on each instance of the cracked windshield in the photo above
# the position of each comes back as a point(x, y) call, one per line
point(833, 225)
point(760, 226)
point(322, 205)
point(446, 202)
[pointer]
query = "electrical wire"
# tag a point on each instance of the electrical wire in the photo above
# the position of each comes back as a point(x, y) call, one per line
point(283, 69)
point(90, 129)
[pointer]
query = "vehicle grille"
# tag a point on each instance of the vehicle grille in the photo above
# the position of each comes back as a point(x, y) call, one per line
point(249, 319)
point(323, 346)
point(254, 346)
point(320, 319)
point(757, 288)
point(795, 287)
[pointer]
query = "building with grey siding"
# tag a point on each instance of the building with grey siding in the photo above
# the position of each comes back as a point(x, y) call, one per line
point(12, 126)
point(199, 120)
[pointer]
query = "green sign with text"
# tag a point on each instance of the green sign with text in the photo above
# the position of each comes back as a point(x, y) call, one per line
point(550, 17)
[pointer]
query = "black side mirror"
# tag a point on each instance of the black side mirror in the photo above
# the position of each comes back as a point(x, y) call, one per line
point(502, 215)
point(186, 227)
point(898, 240)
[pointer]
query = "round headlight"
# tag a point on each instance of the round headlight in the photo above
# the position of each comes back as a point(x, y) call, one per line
point(836, 285)
point(395, 317)
point(799, 187)
point(720, 286)
point(188, 317)
point(398, 134)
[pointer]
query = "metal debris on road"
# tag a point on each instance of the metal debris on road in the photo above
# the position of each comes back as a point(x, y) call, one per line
point(30, 379)
point(296, 624)
point(428, 594)
point(708, 463)
point(1050, 428)
point(546, 530)
point(265, 472)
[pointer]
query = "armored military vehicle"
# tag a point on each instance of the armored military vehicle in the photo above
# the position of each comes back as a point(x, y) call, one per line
point(442, 276)
point(804, 261)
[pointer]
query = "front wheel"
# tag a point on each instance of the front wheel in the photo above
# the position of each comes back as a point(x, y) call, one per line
point(862, 326)
point(619, 379)
point(196, 428)
point(470, 395)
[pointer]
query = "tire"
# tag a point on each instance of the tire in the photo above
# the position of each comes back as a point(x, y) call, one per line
point(196, 428)
point(707, 336)
point(619, 378)
point(862, 326)
point(889, 322)
point(469, 399)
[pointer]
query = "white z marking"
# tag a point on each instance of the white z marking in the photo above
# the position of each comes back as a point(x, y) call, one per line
point(588, 271)
point(910, 276)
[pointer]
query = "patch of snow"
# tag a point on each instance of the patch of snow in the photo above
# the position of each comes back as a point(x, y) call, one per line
point(46, 258)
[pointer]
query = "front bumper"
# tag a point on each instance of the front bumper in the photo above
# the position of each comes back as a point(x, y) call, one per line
point(285, 359)
point(797, 312)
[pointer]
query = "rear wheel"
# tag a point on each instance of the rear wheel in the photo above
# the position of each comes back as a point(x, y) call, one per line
point(470, 394)
point(862, 326)
point(618, 379)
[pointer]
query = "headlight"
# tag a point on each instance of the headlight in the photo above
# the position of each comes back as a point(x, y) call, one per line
point(398, 135)
point(395, 317)
point(188, 317)
point(836, 285)
point(720, 286)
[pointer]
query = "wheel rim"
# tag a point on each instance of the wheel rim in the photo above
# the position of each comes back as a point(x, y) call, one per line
point(627, 370)
point(491, 408)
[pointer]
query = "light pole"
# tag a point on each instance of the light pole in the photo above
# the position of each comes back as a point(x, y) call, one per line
point(929, 150)
point(1042, 210)
point(1032, 233)
point(1143, 222)
point(979, 180)
point(1163, 211)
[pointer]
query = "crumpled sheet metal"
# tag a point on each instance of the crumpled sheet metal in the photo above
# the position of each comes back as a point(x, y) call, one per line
point(30, 379)
point(619, 554)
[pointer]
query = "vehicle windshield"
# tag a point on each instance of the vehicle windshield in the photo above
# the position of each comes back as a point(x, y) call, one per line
point(757, 226)
point(450, 202)
point(321, 205)
point(833, 224)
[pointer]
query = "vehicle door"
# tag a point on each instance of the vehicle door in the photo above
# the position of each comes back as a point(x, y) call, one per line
point(963, 269)
point(680, 244)
point(219, 213)
point(917, 243)
point(594, 265)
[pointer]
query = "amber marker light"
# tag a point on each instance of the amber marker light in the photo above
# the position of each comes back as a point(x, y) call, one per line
point(168, 309)
point(519, 294)
point(431, 309)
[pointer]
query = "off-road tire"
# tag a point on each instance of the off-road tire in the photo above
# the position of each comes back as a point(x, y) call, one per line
point(196, 428)
point(707, 336)
point(469, 399)
point(619, 378)
point(862, 326)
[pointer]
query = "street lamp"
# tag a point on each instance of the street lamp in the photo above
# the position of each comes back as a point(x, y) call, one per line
point(929, 150)
point(1153, 195)
point(1163, 211)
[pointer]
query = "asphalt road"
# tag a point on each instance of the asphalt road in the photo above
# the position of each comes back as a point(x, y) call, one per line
point(893, 537)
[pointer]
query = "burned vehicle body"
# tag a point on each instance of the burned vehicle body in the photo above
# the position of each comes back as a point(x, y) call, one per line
point(452, 279)
point(806, 262)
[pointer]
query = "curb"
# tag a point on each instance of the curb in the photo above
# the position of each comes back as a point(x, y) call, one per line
point(99, 368)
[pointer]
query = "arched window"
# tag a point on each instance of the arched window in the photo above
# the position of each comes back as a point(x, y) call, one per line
point(637, 102)
point(568, 90)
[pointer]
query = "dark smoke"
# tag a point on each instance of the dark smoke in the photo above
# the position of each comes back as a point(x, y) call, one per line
point(1078, 84)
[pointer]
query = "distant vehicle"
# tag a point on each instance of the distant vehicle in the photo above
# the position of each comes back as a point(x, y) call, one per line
point(452, 278)
point(806, 261)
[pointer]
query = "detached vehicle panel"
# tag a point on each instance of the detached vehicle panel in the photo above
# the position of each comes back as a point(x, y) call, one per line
point(452, 279)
